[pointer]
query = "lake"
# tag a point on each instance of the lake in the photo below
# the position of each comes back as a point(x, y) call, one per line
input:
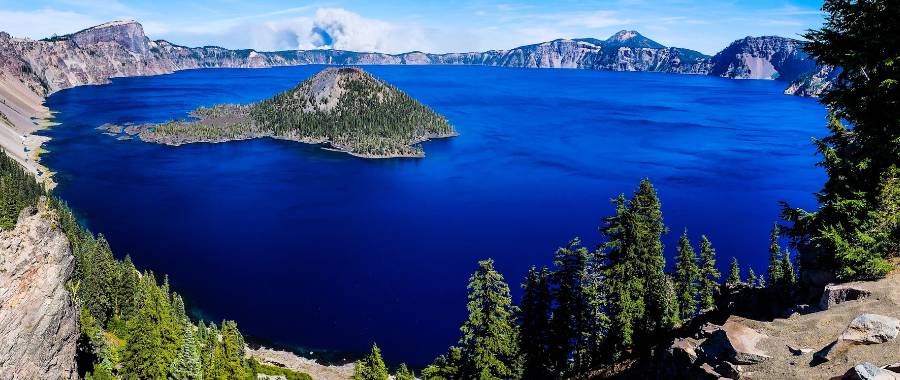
point(314, 248)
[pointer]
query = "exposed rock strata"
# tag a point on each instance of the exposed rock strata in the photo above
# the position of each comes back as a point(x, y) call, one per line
point(31, 70)
point(38, 317)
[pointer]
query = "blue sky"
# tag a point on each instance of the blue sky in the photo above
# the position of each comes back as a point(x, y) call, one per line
point(406, 25)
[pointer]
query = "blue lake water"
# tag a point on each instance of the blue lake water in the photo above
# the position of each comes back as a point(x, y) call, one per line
point(320, 249)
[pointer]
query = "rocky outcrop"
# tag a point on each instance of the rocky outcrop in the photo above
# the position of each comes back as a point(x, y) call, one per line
point(869, 371)
point(293, 362)
point(864, 329)
point(768, 57)
point(835, 294)
point(815, 83)
point(735, 343)
point(38, 317)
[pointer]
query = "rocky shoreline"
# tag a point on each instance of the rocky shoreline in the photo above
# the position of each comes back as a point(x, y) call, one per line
point(31, 70)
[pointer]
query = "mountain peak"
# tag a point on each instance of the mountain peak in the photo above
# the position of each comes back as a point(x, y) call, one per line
point(625, 35)
point(127, 33)
point(632, 39)
point(112, 24)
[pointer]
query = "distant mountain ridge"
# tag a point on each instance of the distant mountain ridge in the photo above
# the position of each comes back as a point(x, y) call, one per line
point(125, 44)
point(32, 69)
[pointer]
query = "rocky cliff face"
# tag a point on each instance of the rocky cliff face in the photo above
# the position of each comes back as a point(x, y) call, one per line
point(30, 70)
point(763, 58)
point(38, 317)
point(814, 84)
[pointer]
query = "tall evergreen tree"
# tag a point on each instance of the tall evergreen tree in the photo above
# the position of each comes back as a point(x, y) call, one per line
point(233, 361)
point(787, 270)
point(149, 351)
point(751, 278)
point(404, 373)
point(624, 286)
point(489, 346)
point(535, 325)
point(686, 278)
point(648, 230)
point(187, 364)
point(129, 289)
point(734, 275)
point(709, 275)
point(775, 276)
point(849, 234)
point(634, 274)
point(371, 367)
point(490, 337)
point(572, 324)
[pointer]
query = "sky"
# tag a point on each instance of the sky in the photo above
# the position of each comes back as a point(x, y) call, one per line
point(417, 25)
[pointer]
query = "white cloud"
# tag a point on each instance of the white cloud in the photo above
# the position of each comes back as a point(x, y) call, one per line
point(327, 28)
point(341, 29)
point(34, 24)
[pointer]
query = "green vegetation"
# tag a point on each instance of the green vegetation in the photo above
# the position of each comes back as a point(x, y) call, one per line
point(687, 276)
point(592, 308)
point(857, 226)
point(371, 367)
point(265, 369)
point(488, 348)
point(19, 190)
point(345, 108)
point(132, 327)
point(734, 274)
point(709, 275)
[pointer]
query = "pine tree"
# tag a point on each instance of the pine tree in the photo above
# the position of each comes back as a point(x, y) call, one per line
point(535, 325)
point(787, 270)
point(663, 301)
point(371, 367)
point(686, 278)
point(648, 230)
point(774, 258)
point(129, 289)
point(232, 355)
point(404, 373)
point(149, 350)
point(187, 364)
point(572, 324)
point(208, 352)
point(751, 278)
point(734, 275)
point(847, 233)
point(625, 288)
point(709, 275)
point(488, 348)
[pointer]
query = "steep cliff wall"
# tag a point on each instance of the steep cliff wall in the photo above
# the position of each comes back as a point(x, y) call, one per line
point(30, 70)
point(38, 317)
point(763, 58)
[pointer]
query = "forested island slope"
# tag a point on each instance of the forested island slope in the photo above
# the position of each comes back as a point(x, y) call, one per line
point(345, 109)
point(31, 70)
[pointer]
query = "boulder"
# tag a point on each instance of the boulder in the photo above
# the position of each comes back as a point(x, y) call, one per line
point(864, 329)
point(735, 343)
point(684, 350)
point(869, 371)
point(840, 293)
point(871, 329)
